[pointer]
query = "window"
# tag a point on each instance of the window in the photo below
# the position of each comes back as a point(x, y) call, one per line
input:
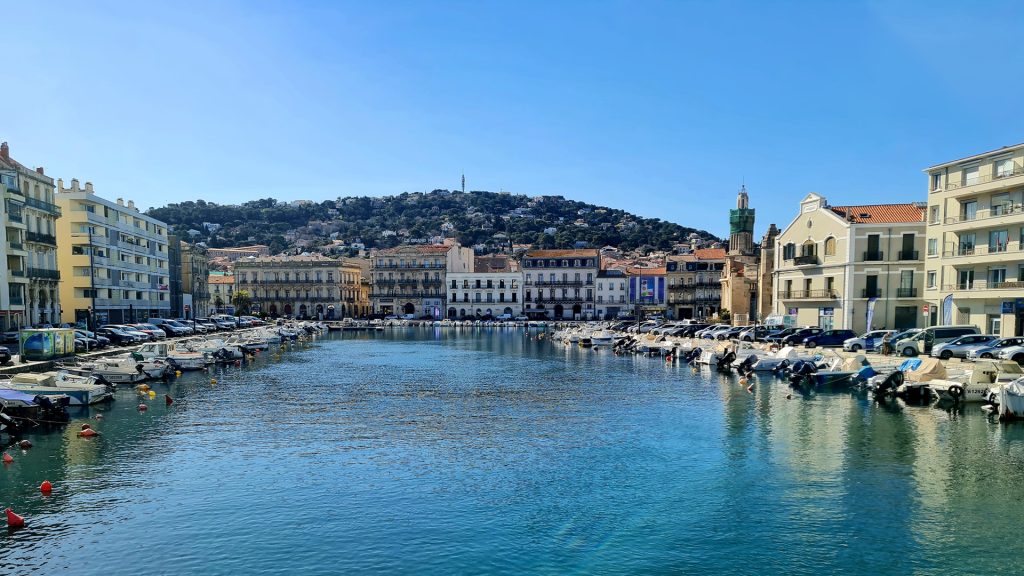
point(830, 246)
point(931, 278)
point(1000, 204)
point(830, 285)
point(933, 217)
point(996, 277)
point(1004, 168)
point(966, 244)
point(933, 246)
point(970, 176)
point(997, 240)
point(969, 210)
point(995, 324)
point(936, 180)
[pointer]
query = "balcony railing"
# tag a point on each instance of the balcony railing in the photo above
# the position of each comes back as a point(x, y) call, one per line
point(17, 300)
point(876, 256)
point(906, 292)
point(1017, 170)
point(985, 285)
point(805, 260)
point(406, 295)
point(809, 295)
point(39, 238)
point(15, 245)
point(866, 293)
point(44, 273)
point(18, 273)
point(997, 211)
point(981, 249)
point(909, 254)
point(44, 206)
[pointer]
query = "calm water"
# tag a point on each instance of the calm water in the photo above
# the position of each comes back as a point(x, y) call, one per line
point(431, 452)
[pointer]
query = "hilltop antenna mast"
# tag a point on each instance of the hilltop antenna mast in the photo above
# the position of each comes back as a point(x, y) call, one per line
point(463, 182)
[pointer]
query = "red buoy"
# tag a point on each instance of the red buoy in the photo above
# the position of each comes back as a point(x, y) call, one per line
point(168, 399)
point(13, 520)
point(143, 407)
point(46, 487)
point(7, 458)
point(88, 433)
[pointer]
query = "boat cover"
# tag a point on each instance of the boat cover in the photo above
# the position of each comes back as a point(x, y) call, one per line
point(1011, 399)
point(854, 364)
point(929, 369)
point(15, 396)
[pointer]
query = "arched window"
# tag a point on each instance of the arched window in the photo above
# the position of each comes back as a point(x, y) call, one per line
point(830, 246)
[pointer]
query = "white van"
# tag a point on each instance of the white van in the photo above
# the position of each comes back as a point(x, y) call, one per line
point(921, 341)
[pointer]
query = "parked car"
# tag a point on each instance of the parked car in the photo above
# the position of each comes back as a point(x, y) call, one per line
point(154, 332)
point(992, 349)
point(10, 337)
point(799, 336)
point(759, 332)
point(729, 333)
point(828, 338)
point(94, 340)
point(117, 337)
point(777, 337)
point(922, 340)
point(708, 332)
point(961, 346)
point(867, 341)
point(142, 336)
point(1015, 353)
point(5, 355)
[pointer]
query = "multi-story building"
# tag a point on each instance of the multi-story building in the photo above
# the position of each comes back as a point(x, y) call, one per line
point(647, 290)
point(766, 273)
point(30, 245)
point(113, 259)
point(612, 294)
point(222, 291)
point(299, 286)
point(482, 294)
point(195, 272)
point(560, 284)
point(975, 251)
point(852, 267)
point(695, 284)
point(355, 302)
point(410, 280)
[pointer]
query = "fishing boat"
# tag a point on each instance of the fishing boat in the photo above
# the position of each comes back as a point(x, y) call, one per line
point(81, 390)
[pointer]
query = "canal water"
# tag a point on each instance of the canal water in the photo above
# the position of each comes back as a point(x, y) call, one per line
point(430, 451)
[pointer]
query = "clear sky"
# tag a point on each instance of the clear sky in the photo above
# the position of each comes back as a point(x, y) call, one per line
point(661, 108)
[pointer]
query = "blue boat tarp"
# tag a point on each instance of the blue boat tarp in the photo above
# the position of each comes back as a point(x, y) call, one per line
point(14, 395)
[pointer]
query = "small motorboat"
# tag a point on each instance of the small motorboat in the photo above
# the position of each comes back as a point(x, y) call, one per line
point(178, 355)
point(82, 390)
point(20, 411)
point(977, 384)
point(1010, 400)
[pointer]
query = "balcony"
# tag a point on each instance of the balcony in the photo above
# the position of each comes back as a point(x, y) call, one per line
point(39, 238)
point(44, 206)
point(997, 211)
point(982, 249)
point(875, 256)
point(906, 292)
point(867, 293)
point(44, 273)
point(1006, 178)
point(806, 260)
point(18, 273)
point(809, 295)
point(978, 285)
point(16, 300)
point(16, 246)
point(909, 255)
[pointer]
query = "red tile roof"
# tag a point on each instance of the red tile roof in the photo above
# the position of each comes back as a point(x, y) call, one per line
point(416, 249)
point(710, 253)
point(561, 253)
point(881, 213)
point(646, 271)
point(220, 279)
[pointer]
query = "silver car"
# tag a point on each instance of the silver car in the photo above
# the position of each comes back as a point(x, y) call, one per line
point(993, 348)
point(961, 346)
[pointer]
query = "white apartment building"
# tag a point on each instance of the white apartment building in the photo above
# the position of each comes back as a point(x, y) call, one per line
point(483, 294)
point(612, 294)
point(975, 252)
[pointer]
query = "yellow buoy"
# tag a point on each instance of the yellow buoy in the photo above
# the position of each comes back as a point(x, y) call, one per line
point(152, 394)
point(177, 373)
point(743, 380)
point(213, 381)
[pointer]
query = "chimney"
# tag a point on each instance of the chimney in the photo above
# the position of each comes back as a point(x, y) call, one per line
point(5, 151)
point(120, 201)
point(74, 185)
point(60, 184)
point(40, 170)
point(131, 204)
point(88, 186)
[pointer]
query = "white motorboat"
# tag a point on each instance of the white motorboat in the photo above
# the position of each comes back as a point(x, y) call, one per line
point(602, 337)
point(768, 362)
point(1010, 400)
point(127, 369)
point(978, 384)
point(82, 390)
point(180, 357)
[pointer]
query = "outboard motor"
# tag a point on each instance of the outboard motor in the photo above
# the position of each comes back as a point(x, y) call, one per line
point(781, 368)
point(888, 386)
point(725, 361)
point(747, 366)
point(693, 355)
point(800, 370)
point(10, 425)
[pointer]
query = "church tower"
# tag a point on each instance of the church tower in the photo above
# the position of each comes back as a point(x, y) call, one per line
point(741, 226)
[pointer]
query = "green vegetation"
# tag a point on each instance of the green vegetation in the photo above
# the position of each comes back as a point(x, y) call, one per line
point(475, 218)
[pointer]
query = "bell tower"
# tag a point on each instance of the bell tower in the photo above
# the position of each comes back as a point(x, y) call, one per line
point(741, 226)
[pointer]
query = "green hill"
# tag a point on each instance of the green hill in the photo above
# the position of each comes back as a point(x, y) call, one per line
point(488, 218)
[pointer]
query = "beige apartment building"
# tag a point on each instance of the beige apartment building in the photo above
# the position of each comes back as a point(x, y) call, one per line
point(560, 284)
point(29, 247)
point(975, 251)
point(850, 267)
point(113, 259)
point(694, 284)
point(410, 279)
point(300, 286)
point(195, 273)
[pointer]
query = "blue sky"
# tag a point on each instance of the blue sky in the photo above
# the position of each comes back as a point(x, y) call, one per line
point(660, 108)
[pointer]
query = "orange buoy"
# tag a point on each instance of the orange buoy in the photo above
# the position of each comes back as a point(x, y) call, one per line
point(46, 487)
point(168, 399)
point(13, 520)
point(143, 407)
point(7, 458)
